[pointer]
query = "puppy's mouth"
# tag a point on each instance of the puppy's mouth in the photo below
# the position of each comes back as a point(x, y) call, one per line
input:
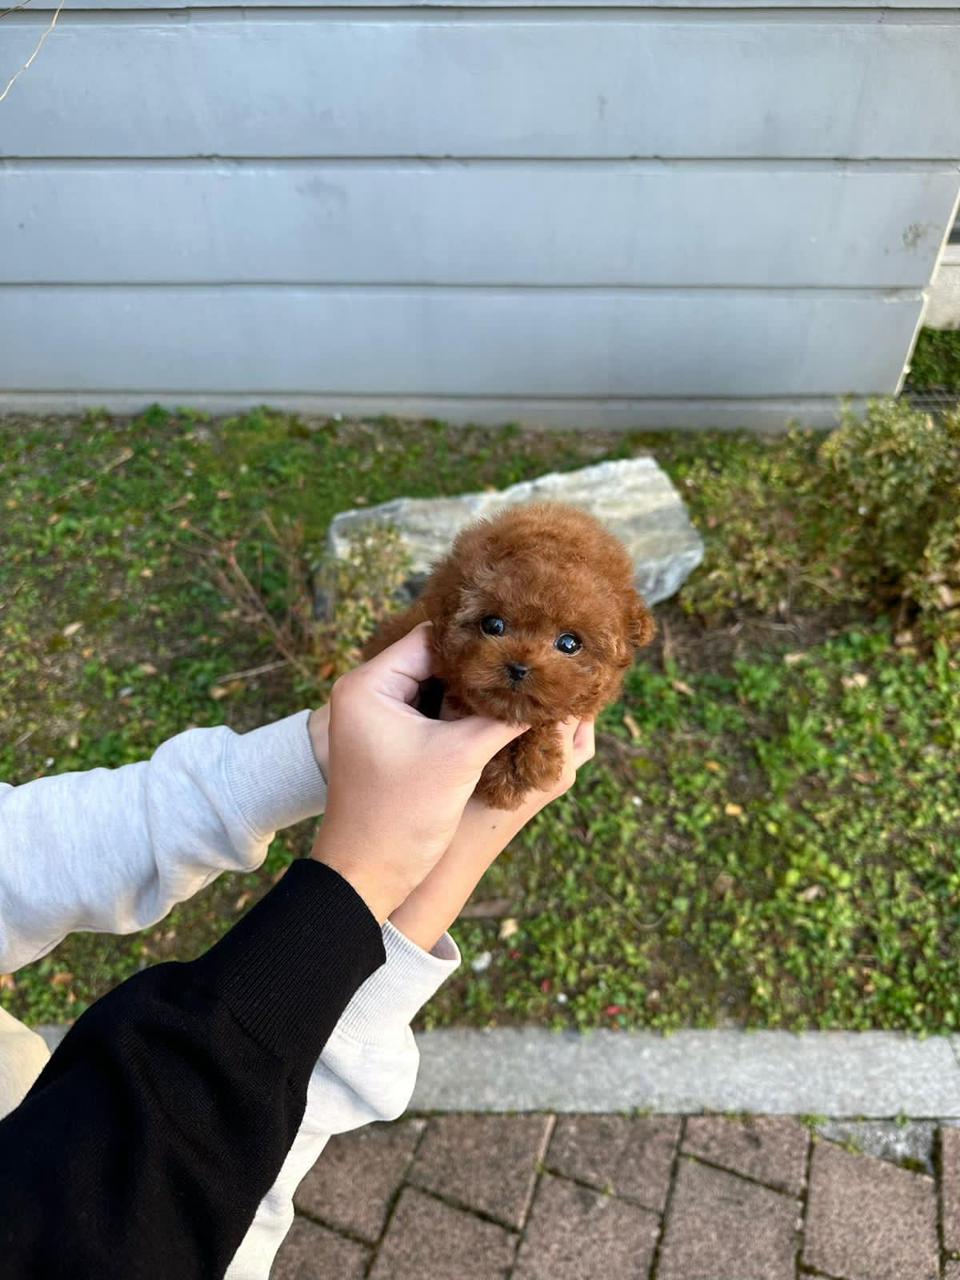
point(513, 702)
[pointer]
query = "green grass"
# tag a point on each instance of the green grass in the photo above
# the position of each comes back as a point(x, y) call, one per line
point(763, 839)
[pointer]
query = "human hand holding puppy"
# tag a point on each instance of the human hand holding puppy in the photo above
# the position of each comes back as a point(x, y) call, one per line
point(398, 781)
point(482, 835)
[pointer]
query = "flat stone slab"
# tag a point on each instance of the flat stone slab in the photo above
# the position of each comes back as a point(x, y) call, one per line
point(769, 1149)
point(428, 1238)
point(825, 1073)
point(868, 1220)
point(722, 1228)
point(903, 1144)
point(627, 1156)
point(633, 497)
point(486, 1163)
point(311, 1252)
point(575, 1232)
point(353, 1185)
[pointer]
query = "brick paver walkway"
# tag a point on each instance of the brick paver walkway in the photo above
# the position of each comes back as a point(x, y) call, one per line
point(542, 1197)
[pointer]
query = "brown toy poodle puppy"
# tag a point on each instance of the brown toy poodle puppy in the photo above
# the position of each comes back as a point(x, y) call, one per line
point(535, 619)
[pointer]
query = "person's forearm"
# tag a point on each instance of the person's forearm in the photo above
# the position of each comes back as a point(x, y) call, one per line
point(366, 1073)
point(435, 904)
point(149, 1139)
point(114, 850)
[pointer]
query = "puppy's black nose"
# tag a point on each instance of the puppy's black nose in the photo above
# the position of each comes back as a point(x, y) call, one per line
point(517, 671)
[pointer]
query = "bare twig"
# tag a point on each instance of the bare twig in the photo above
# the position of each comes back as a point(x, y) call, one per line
point(253, 671)
point(123, 456)
point(17, 74)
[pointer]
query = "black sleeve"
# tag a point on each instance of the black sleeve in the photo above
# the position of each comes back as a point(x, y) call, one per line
point(150, 1137)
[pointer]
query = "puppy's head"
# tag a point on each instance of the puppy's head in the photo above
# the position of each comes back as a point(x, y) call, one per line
point(536, 616)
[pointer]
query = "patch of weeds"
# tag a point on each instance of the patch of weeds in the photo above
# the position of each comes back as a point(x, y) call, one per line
point(767, 836)
point(935, 364)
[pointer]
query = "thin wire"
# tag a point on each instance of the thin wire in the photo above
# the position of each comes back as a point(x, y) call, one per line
point(16, 76)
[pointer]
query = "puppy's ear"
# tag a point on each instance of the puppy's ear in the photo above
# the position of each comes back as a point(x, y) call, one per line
point(640, 626)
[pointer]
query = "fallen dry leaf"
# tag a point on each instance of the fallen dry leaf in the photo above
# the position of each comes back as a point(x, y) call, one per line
point(714, 766)
point(486, 910)
point(62, 979)
point(681, 686)
point(508, 928)
point(791, 659)
point(732, 810)
point(71, 629)
point(631, 725)
point(857, 681)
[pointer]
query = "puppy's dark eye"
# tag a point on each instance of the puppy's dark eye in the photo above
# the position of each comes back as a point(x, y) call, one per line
point(568, 643)
point(491, 625)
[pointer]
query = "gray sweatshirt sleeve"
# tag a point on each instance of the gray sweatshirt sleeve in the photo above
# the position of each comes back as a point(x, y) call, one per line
point(113, 850)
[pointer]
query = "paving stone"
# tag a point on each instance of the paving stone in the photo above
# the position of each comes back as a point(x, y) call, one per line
point(869, 1220)
point(353, 1183)
point(311, 1252)
point(429, 1239)
point(574, 1233)
point(631, 1156)
point(950, 1187)
point(951, 1271)
point(771, 1149)
point(483, 1162)
point(886, 1139)
point(720, 1227)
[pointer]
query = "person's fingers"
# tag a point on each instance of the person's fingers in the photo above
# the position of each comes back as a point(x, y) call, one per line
point(480, 737)
point(399, 670)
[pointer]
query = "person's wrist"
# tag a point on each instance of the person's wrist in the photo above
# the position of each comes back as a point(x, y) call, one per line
point(380, 886)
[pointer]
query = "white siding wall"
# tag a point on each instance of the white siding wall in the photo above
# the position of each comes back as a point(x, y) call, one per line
point(686, 213)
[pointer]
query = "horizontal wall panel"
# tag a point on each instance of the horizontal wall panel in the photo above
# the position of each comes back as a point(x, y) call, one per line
point(463, 342)
point(475, 223)
point(485, 83)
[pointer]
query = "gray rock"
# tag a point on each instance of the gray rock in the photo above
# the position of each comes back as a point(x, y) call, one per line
point(633, 497)
point(910, 1143)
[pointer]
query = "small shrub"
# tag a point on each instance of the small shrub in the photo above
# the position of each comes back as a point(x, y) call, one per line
point(935, 365)
point(770, 539)
point(896, 474)
point(871, 514)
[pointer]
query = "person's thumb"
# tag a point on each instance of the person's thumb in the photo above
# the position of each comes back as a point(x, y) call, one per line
point(479, 738)
point(398, 670)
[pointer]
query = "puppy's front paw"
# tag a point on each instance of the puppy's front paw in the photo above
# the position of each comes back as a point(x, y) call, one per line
point(532, 762)
point(499, 786)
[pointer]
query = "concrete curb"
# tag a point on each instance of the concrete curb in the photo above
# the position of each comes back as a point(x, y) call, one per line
point(827, 1073)
point(870, 1074)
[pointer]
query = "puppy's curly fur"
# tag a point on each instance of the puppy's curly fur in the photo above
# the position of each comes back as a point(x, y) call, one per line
point(535, 619)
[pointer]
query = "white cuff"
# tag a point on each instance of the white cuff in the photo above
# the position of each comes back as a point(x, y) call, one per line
point(273, 775)
point(395, 994)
